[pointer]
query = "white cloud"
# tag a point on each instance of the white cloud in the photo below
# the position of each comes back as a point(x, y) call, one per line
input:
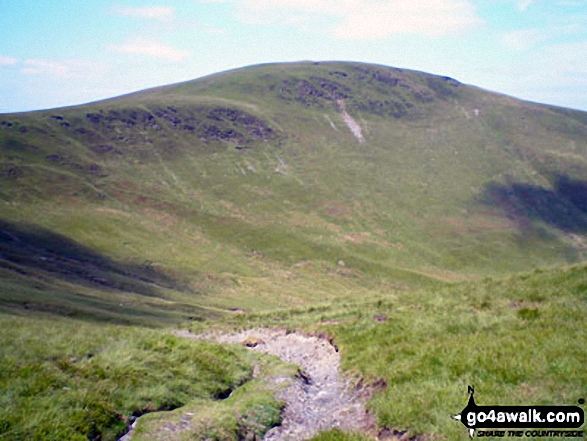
point(214, 30)
point(38, 67)
point(554, 74)
point(151, 48)
point(430, 18)
point(150, 12)
point(8, 61)
point(568, 59)
point(367, 19)
point(524, 4)
point(62, 69)
point(522, 39)
point(190, 25)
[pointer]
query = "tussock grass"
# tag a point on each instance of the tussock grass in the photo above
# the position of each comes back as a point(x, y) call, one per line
point(247, 414)
point(136, 211)
point(337, 435)
point(69, 379)
point(518, 341)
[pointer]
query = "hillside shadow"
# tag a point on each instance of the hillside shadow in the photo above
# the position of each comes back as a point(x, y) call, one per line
point(563, 207)
point(49, 272)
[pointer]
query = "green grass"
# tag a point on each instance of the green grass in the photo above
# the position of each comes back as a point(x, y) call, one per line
point(141, 212)
point(337, 435)
point(67, 379)
point(247, 414)
point(518, 340)
point(435, 193)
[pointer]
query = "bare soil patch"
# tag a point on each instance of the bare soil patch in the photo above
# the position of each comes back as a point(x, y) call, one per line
point(320, 398)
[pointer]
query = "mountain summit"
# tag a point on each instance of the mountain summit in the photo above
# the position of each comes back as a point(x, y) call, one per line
point(314, 178)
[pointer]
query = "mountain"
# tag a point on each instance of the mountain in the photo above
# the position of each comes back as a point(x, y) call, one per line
point(282, 184)
point(336, 199)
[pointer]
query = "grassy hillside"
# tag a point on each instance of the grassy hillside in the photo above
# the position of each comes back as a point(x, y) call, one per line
point(251, 182)
point(518, 340)
point(385, 207)
point(86, 381)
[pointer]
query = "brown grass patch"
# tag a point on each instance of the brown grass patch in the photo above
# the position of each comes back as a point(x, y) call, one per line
point(113, 211)
point(357, 237)
point(161, 217)
point(310, 220)
point(473, 224)
point(335, 208)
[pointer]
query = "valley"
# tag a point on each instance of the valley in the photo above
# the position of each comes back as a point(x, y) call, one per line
point(434, 231)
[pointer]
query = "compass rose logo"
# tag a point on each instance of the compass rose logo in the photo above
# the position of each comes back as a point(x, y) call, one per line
point(471, 406)
point(475, 417)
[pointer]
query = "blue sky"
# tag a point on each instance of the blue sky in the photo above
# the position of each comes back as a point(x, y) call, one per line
point(63, 52)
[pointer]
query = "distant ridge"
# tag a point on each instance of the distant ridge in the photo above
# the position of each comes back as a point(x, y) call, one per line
point(322, 177)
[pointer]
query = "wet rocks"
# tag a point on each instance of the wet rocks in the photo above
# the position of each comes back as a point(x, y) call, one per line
point(385, 77)
point(443, 87)
point(380, 91)
point(240, 122)
point(338, 73)
point(213, 132)
point(314, 91)
point(94, 118)
point(115, 127)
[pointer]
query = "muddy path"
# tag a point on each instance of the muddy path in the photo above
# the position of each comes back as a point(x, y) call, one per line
point(320, 398)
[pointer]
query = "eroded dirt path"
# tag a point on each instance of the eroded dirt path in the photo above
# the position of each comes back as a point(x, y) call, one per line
point(320, 399)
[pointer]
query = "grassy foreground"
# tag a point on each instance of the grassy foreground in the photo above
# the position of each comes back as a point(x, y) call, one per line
point(519, 340)
point(245, 195)
point(247, 414)
point(71, 380)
